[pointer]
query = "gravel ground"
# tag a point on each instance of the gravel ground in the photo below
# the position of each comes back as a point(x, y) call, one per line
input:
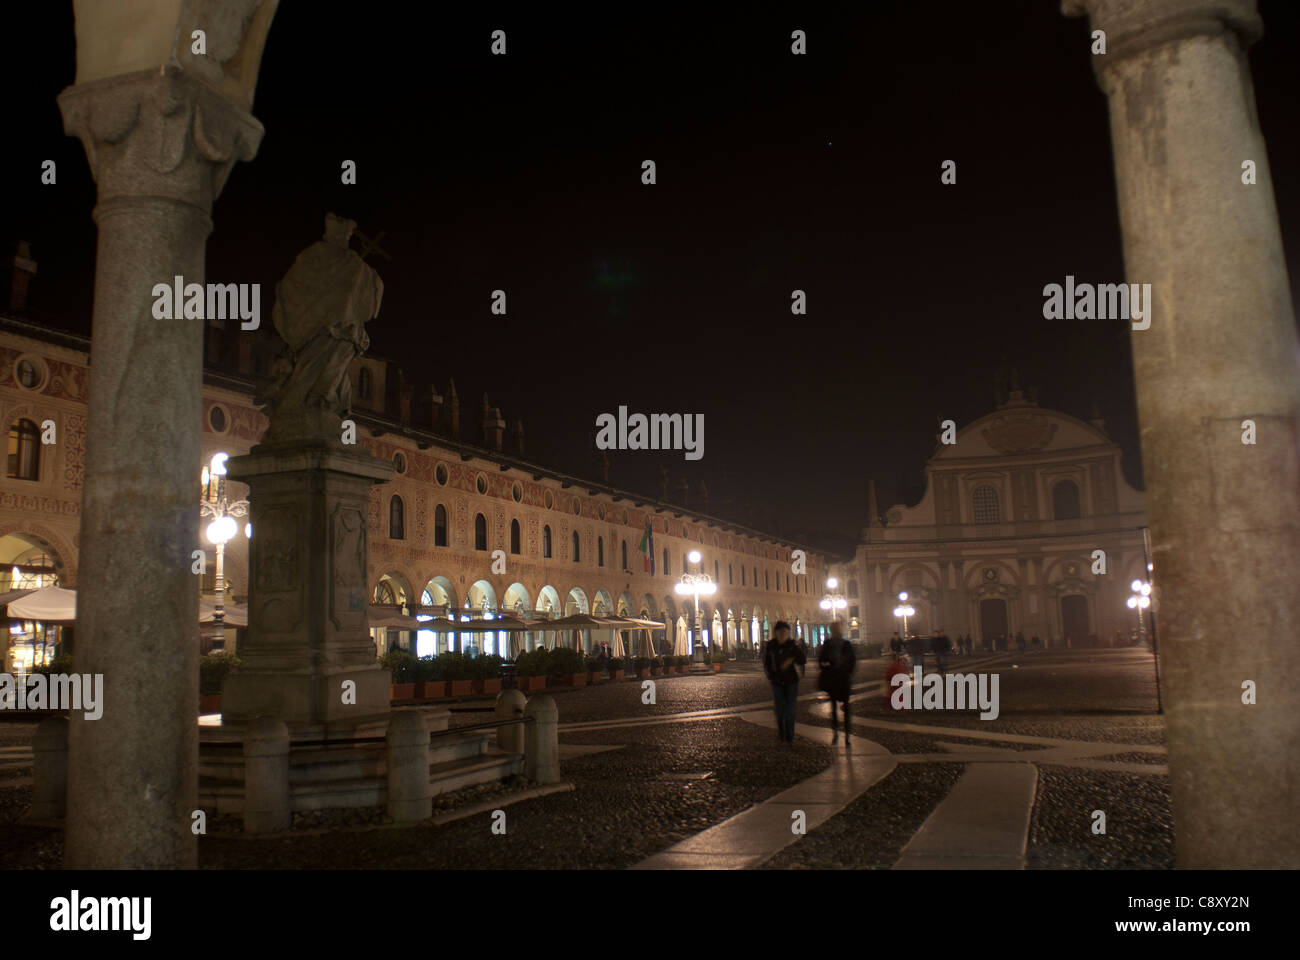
point(870, 833)
point(24, 847)
point(619, 813)
point(1139, 821)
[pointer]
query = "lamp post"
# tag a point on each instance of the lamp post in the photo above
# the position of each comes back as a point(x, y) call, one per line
point(695, 584)
point(832, 601)
point(1139, 601)
point(904, 610)
point(215, 503)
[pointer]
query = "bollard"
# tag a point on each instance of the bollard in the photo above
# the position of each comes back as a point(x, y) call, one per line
point(266, 776)
point(50, 770)
point(510, 706)
point(409, 796)
point(542, 740)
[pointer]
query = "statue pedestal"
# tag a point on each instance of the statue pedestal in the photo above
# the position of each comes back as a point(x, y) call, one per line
point(308, 659)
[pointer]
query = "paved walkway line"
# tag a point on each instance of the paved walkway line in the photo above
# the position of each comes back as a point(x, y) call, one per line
point(982, 824)
point(759, 833)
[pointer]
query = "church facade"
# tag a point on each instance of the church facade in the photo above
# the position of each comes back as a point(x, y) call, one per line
point(1027, 526)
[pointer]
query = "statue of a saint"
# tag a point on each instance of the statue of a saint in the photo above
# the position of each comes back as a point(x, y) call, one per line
point(321, 309)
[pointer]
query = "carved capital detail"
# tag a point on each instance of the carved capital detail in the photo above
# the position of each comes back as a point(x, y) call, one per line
point(160, 134)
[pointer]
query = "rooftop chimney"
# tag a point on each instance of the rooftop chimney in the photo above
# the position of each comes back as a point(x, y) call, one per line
point(453, 410)
point(24, 268)
point(663, 484)
point(683, 492)
point(493, 426)
point(517, 437)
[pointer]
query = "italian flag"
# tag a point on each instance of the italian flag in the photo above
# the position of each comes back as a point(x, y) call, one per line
point(647, 548)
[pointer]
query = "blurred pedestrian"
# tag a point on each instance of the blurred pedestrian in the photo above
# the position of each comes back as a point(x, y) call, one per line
point(916, 647)
point(895, 644)
point(836, 660)
point(781, 662)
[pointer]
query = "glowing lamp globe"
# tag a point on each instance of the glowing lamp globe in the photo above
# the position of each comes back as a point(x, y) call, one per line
point(222, 530)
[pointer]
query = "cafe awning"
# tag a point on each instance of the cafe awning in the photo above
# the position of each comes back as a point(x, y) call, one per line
point(49, 604)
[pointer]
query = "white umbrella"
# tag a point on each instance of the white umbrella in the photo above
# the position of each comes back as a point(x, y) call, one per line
point(616, 649)
point(51, 604)
point(681, 648)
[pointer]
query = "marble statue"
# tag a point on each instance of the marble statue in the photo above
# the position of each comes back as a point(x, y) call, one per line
point(321, 308)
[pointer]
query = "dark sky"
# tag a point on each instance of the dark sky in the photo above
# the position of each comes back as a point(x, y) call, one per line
point(775, 172)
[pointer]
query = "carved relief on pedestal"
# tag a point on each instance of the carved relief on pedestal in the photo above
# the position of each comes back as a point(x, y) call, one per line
point(347, 564)
point(277, 575)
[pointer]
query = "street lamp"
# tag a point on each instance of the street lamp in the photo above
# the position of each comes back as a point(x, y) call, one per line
point(693, 585)
point(904, 610)
point(216, 504)
point(1140, 600)
point(832, 601)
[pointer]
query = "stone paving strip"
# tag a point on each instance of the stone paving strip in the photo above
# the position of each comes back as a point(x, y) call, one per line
point(759, 833)
point(983, 823)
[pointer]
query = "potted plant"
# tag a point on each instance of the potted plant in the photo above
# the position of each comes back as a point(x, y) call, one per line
point(681, 664)
point(429, 683)
point(457, 671)
point(486, 674)
point(616, 668)
point(400, 665)
point(568, 667)
point(642, 666)
point(718, 659)
point(595, 670)
point(657, 666)
point(532, 667)
point(212, 674)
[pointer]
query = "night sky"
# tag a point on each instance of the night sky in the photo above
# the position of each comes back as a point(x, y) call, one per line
point(775, 172)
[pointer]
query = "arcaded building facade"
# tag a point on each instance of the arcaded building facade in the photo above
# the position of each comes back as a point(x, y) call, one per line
point(1027, 526)
point(567, 544)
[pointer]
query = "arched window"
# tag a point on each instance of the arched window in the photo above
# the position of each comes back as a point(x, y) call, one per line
point(24, 450)
point(853, 588)
point(440, 526)
point(985, 503)
point(767, 579)
point(716, 578)
point(625, 566)
point(480, 532)
point(787, 583)
point(514, 536)
point(756, 577)
point(600, 551)
point(1065, 500)
point(396, 519)
point(363, 384)
point(668, 572)
point(731, 577)
point(577, 551)
point(546, 541)
point(742, 575)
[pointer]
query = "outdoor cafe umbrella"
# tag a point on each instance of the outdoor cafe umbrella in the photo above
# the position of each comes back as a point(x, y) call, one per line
point(49, 604)
point(681, 648)
point(643, 625)
point(579, 621)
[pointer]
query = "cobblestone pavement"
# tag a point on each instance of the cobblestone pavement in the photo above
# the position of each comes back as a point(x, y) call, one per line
point(688, 762)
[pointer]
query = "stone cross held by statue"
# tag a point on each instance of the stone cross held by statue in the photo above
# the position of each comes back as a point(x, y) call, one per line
point(368, 246)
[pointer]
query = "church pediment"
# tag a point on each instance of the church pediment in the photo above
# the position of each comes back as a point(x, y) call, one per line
point(1021, 432)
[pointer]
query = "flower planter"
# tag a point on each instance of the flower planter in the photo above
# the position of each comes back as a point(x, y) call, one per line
point(656, 671)
point(529, 683)
point(642, 673)
point(717, 668)
point(431, 689)
point(595, 676)
point(487, 685)
point(210, 703)
point(460, 688)
point(618, 675)
point(402, 691)
point(576, 679)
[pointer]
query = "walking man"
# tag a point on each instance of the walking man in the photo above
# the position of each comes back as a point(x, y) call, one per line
point(782, 659)
point(837, 660)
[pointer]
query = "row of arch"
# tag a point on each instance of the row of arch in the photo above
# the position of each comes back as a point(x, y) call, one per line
point(735, 630)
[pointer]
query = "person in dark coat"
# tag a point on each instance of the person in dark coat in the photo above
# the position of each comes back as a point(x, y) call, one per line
point(941, 645)
point(782, 658)
point(896, 644)
point(916, 647)
point(837, 659)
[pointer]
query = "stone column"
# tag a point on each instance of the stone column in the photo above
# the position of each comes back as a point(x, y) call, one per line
point(160, 146)
point(1221, 348)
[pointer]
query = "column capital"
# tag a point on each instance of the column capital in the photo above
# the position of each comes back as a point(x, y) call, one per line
point(1136, 26)
point(160, 134)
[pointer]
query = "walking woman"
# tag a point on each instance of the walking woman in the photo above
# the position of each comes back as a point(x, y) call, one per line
point(837, 660)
